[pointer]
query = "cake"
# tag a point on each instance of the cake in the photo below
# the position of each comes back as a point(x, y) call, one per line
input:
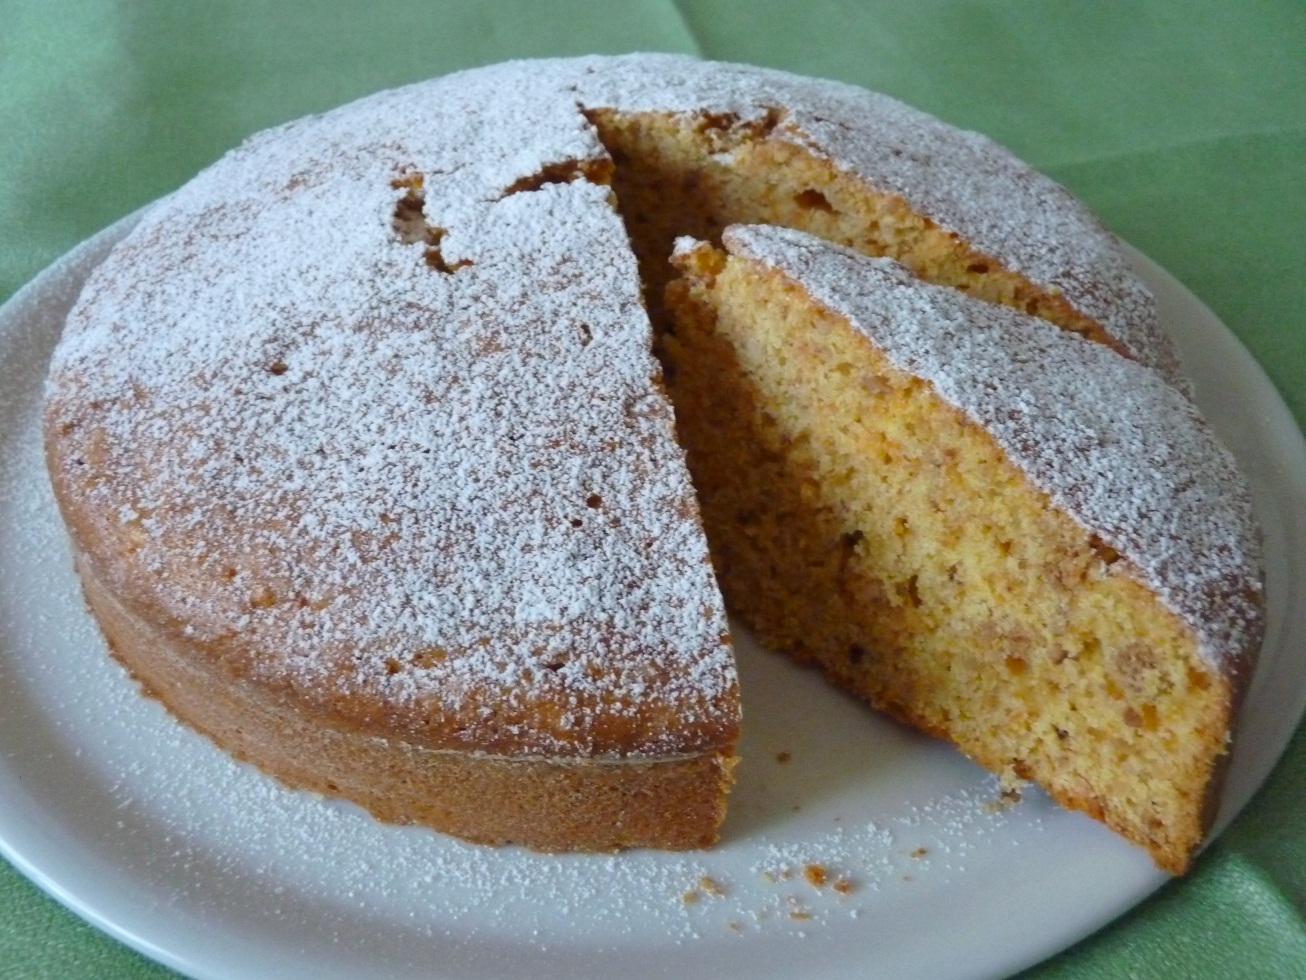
point(365, 450)
point(998, 532)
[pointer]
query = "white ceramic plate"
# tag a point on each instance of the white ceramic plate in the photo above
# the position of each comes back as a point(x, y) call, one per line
point(155, 836)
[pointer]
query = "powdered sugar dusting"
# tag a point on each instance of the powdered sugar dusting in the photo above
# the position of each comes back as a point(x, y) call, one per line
point(1110, 441)
point(456, 491)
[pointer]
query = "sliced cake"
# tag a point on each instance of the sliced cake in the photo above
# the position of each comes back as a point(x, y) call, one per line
point(997, 531)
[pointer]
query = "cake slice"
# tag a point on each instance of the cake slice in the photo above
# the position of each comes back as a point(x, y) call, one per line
point(995, 530)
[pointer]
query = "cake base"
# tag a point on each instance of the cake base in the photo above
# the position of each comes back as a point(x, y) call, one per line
point(546, 804)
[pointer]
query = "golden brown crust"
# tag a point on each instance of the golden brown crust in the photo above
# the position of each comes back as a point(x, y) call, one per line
point(543, 804)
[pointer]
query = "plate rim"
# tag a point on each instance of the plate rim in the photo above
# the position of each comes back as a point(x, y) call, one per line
point(79, 261)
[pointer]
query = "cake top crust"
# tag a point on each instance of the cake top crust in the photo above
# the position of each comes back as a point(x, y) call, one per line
point(375, 390)
point(438, 499)
point(1111, 442)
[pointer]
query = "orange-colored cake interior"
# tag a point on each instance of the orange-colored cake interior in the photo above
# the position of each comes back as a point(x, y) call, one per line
point(861, 523)
point(695, 174)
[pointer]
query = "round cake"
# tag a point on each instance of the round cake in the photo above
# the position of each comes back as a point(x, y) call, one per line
point(365, 451)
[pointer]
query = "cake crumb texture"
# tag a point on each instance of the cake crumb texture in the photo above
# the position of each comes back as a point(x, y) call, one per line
point(1005, 535)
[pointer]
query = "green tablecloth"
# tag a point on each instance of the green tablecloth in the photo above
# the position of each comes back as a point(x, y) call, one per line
point(1182, 123)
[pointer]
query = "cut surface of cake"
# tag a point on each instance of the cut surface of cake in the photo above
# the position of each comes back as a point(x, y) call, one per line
point(367, 459)
point(1001, 533)
point(699, 146)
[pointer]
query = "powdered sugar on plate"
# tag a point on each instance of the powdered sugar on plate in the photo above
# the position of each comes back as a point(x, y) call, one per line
point(158, 837)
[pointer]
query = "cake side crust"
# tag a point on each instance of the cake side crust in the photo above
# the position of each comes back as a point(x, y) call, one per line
point(546, 804)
